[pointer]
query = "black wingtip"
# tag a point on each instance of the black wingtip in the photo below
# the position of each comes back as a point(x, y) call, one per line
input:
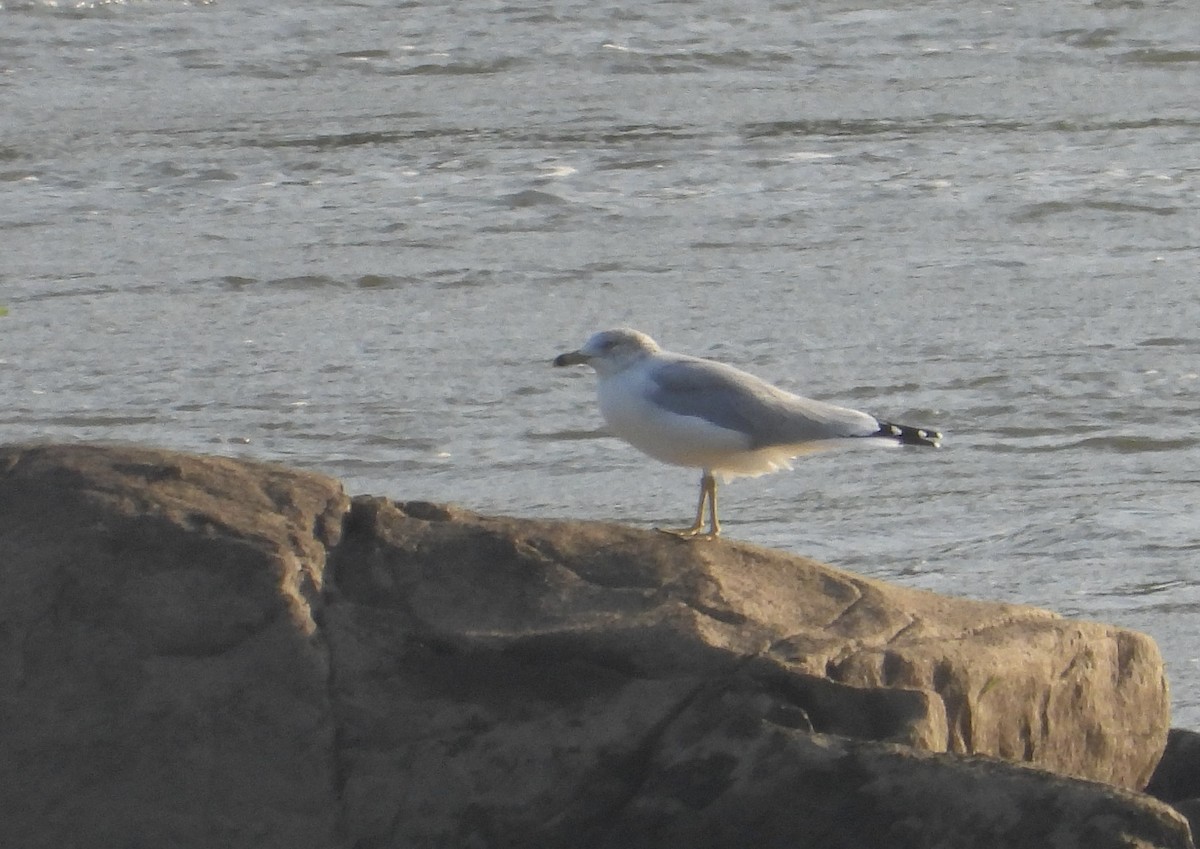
point(906, 435)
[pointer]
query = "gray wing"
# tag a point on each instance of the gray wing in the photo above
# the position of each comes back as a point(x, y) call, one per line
point(732, 399)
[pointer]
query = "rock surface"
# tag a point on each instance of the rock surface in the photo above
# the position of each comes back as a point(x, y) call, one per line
point(1177, 776)
point(162, 681)
point(200, 651)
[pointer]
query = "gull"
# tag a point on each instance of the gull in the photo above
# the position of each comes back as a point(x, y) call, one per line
point(708, 415)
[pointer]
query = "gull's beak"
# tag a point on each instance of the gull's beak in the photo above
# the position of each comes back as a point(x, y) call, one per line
point(571, 358)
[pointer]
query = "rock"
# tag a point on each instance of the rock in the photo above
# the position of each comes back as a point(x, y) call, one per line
point(940, 673)
point(201, 651)
point(1190, 809)
point(705, 788)
point(162, 681)
point(1177, 776)
point(554, 656)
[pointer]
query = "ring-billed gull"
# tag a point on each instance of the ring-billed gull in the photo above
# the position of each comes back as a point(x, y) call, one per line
point(704, 414)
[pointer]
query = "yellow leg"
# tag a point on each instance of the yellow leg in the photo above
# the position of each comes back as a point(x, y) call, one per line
point(714, 527)
point(708, 494)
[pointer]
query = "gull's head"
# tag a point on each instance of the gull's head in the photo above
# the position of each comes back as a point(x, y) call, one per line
point(610, 351)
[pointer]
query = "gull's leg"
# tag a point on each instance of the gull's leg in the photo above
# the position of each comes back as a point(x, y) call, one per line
point(714, 527)
point(708, 494)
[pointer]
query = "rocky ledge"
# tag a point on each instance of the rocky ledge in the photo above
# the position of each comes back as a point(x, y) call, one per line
point(199, 651)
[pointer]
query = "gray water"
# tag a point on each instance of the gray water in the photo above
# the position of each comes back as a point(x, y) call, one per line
point(350, 237)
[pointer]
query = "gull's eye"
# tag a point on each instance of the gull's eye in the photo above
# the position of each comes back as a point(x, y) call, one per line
point(608, 344)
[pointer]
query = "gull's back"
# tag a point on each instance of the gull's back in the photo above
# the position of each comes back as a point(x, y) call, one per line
point(736, 400)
